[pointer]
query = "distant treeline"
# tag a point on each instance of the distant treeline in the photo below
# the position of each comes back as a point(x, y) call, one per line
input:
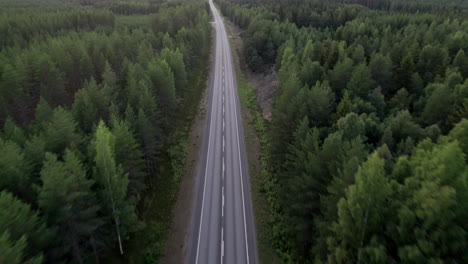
point(86, 105)
point(368, 141)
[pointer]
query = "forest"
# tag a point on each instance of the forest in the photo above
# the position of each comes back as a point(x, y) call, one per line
point(89, 96)
point(367, 147)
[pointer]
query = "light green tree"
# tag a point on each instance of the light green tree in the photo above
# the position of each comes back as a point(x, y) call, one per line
point(113, 184)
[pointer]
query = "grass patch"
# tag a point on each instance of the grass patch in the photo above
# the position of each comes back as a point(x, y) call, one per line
point(272, 242)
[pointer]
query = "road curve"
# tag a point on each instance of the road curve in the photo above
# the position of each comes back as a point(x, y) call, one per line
point(223, 228)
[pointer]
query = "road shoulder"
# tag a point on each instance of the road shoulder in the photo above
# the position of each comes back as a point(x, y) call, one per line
point(181, 225)
point(254, 124)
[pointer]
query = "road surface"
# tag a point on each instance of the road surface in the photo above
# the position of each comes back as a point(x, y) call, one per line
point(223, 226)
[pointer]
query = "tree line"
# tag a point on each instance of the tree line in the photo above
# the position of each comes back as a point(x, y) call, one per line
point(86, 105)
point(368, 132)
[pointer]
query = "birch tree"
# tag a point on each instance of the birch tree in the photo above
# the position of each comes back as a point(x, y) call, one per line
point(113, 183)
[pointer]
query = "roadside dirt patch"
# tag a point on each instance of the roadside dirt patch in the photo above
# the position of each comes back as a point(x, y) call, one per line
point(265, 84)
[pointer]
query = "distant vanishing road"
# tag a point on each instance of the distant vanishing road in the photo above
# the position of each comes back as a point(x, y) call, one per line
point(223, 225)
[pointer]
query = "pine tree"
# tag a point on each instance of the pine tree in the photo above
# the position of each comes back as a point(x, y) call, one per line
point(163, 79)
point(361, 82)
point(308, 53)
point(51, 82)
point(343, 159)
point(351, 126)
point(288, 109)
point(407, 68)
point(22, 223)
point(175, 59)
point(92, 104)
point(128, 153)
point(400, 101)
point(69, 204)
point(13, 251)
point(438, 106)
point(14, 170)
point(358, 55)
point(304, 184)
point(61, 131)
point(42, 115)
point(433, 61)
point(149, 140)
point(320, 104)
point(461, 62)
point(382, 72)
point(460, 134)
point(311, 72)
point(344, 107)
point(109, 85)
point(340, 75)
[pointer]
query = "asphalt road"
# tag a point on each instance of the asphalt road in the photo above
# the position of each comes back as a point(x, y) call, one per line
point(223, 225)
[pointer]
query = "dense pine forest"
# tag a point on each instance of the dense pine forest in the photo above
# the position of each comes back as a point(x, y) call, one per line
point(89, 96)
point(367, 146)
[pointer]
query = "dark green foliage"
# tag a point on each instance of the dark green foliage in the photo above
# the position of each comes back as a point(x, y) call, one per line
point(163, 79)
point(461, 62)
point(321, 104)
point(14, 169)
point(61, 131)
point(13, 252)
point(341, 74)
point(128, 153)
point(87, 100)
point(438, 106)
point(361, 83)
point(23, 228)
point(69, 204)
point(304, 183)
point(405, 71)
point(382, 72)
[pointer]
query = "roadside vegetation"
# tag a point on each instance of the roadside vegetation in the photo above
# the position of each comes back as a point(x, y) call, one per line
point(262, 182)
point(365, 158)
point(96, 100)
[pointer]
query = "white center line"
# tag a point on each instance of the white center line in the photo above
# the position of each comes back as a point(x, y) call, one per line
point(239, 156)
point(222, 211)
point(222, 244)
point(224, 168)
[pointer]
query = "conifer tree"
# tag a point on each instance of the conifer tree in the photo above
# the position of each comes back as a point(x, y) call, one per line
point(24, 227)
point(68, 202)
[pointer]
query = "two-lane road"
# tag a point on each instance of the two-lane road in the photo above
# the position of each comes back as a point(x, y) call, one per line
point(223, 226)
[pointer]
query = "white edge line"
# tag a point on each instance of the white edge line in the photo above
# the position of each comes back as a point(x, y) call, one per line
point(206, 171)
point(222, 244)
